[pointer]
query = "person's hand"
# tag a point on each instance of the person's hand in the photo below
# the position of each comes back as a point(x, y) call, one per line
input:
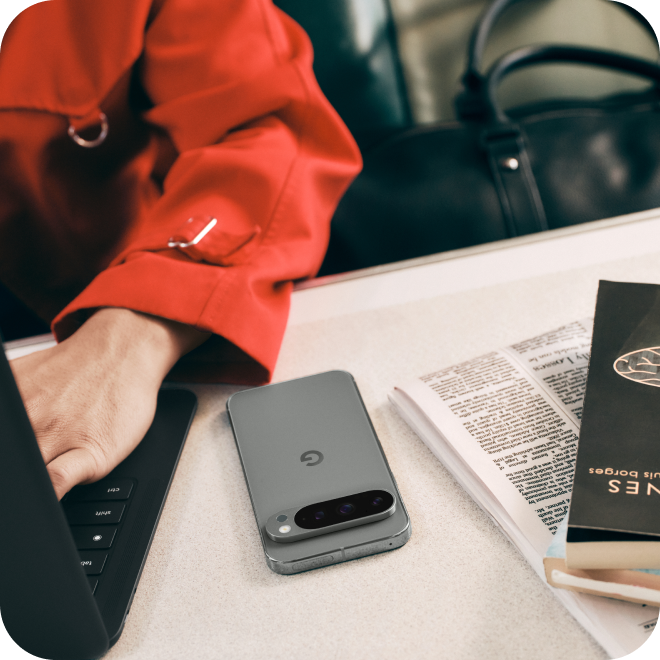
point(92, 398)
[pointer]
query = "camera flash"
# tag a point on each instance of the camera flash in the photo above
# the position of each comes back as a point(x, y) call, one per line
point(285, 529)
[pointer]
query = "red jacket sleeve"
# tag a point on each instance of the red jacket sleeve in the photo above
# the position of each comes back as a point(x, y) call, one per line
point(258, 150)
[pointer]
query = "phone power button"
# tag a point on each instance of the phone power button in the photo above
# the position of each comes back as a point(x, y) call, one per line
point(316, 562)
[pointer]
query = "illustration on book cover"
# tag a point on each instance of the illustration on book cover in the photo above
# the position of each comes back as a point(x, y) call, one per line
point(642, 365)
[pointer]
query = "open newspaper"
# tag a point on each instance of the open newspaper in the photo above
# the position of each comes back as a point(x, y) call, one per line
point(506, 426)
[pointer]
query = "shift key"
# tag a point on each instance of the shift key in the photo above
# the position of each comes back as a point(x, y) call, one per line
point(94, 513)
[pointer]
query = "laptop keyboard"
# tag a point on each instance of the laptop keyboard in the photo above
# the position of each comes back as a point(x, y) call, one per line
point(95, 514)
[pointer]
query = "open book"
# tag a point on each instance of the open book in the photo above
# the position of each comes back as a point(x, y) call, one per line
point(506, 426)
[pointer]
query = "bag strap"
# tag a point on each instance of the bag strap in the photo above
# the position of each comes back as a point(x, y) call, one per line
point(481, 34)
point(533, 55)
point(503, 141)
point(469, 102)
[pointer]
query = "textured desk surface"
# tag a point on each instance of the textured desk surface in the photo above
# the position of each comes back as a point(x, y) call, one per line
point(458, 589)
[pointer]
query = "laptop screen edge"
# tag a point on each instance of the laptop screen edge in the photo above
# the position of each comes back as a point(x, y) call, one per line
point(45, 601)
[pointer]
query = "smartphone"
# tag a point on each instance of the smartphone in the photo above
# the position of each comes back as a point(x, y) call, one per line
point(321, 488)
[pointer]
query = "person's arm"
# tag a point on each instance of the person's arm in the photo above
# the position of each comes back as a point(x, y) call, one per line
point(92, 397)
point(238, 131)
point(214, 115)
point(241, 134)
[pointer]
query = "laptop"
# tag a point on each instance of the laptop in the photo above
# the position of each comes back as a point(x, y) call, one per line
point(69, 571)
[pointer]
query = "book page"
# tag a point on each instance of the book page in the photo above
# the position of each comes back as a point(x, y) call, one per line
point(559, 361)
point(513, 415)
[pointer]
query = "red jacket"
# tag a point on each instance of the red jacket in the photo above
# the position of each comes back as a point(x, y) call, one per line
point(213, 113)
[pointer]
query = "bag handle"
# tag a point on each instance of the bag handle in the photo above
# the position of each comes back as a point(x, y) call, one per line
point(469, 102)
point(479, 38)
point(532, 55)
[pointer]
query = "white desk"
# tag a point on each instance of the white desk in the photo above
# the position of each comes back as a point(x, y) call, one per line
point(458, 589)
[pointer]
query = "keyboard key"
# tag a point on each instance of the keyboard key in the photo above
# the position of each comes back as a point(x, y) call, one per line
point(93, 562)
point(104, 513)
point(93, 583)
point(93, 538)
point(102, 491)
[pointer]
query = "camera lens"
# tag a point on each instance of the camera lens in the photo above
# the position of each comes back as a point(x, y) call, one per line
point(346, 509)
point(377, 501)
point(319, 515)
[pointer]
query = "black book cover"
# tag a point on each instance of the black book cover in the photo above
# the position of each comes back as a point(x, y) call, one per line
point(616, 491)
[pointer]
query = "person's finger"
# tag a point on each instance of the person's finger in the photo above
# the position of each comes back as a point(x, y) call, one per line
point(72, 467)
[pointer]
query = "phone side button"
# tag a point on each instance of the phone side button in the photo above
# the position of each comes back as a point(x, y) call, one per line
point(316, 562)
point(369, 549)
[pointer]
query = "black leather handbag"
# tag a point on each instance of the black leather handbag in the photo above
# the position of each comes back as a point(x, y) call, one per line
point(494, 174)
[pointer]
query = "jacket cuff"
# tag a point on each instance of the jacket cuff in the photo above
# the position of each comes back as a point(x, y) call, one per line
point(246, 312)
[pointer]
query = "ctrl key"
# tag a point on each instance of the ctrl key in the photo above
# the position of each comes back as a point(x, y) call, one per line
point(93, 562)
